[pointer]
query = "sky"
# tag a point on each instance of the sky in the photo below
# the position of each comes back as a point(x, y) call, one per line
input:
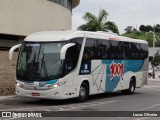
point(123, 12)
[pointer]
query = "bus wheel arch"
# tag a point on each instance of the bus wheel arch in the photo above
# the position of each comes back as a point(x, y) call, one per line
point(132, 86)
point(134, 80)
point(83, 91)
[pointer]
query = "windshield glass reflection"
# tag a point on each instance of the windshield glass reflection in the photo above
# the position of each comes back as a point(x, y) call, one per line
point(40, 61)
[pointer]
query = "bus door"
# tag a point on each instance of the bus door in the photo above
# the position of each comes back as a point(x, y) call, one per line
point(69, 66)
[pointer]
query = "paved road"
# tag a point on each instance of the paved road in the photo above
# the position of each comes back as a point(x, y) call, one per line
point(144, 99)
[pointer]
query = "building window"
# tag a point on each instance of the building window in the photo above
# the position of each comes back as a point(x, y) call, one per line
point(9, 37)
point(65, 3)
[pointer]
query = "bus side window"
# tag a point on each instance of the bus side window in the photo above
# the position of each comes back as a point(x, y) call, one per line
point(89, 50)
point(144, 51)
point(103, 49)
point(120, 50)
point(134, 51)
point(127, 51)
point(110, 50)
point(138, 50)
point(86, 55)
point(114, 50)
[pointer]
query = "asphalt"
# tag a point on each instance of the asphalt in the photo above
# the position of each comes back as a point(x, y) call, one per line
point(145, 99)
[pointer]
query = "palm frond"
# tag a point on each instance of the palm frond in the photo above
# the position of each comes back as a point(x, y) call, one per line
point(110, 26)
point(100, 23)
point(87, 27)
point(89, 17)
point(103, 15)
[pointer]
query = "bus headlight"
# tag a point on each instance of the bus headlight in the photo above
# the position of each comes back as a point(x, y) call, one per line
point(19, 85)
point(58, 84)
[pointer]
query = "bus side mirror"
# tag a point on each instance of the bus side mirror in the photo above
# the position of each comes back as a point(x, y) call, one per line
point(12, 50)
point(64, 49)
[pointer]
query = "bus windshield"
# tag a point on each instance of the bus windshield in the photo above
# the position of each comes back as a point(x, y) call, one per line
point(40, 61)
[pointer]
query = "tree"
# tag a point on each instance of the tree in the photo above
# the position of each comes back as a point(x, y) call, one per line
point(142, 28)
point(155, 62)
point(149, 38)
point(129, 29)
point(98, 23)
point(136, 33)
point(157, 28)
point(149, 28)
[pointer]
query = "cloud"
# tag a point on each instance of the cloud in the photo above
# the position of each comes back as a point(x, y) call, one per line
point(123, 12)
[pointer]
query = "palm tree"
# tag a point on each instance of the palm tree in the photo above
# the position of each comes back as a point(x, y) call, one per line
point(100, 23)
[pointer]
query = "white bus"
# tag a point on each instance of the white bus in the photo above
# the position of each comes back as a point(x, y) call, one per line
point(76, 64)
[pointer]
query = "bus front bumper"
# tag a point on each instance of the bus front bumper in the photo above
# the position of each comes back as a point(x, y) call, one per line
point(54, 93)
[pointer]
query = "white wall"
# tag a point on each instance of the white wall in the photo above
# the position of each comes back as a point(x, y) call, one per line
point(153, 51)
point(23, 17)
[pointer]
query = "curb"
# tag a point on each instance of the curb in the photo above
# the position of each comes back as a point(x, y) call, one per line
point(7, 97)
point(154, 79)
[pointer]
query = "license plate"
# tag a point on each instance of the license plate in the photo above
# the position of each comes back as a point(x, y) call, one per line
point(35, 94)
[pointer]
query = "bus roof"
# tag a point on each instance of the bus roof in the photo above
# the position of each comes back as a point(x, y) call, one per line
point(62, 35)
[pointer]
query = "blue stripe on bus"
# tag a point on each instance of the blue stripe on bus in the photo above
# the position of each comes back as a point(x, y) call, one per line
point(51, 82)
point(132, 65)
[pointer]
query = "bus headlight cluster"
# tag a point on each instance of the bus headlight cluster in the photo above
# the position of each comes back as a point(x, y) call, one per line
point(58, 84)
point(19, 85)
point(55, 85)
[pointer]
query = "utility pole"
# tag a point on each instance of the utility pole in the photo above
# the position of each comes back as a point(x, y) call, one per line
point(154, 36)
point(154, 40)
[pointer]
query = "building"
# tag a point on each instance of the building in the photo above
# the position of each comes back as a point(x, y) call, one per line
point(152, 52)
point(19, 18)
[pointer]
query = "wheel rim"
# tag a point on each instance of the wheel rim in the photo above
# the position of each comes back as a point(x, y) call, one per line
point(82, 92)
point(149, 76)
point(132, 88)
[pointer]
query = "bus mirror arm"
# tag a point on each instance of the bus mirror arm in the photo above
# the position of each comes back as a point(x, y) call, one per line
point(64, 49)
point(12, 50)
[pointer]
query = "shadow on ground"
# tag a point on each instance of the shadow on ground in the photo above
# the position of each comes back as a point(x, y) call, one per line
point(73, 101)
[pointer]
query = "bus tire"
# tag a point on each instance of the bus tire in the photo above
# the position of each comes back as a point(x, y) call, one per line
point(132, 86)
point(149, 75)
point(83, 92)
point(131, 89)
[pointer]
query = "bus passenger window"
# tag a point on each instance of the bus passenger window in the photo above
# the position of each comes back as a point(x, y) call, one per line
point(86, 56)
point(144, 51)
point(89, 50)
point(114, 50)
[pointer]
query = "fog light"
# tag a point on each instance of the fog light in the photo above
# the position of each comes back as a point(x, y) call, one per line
point(18, 93)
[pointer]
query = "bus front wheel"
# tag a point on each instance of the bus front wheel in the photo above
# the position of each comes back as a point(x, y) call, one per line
point(83, 93)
